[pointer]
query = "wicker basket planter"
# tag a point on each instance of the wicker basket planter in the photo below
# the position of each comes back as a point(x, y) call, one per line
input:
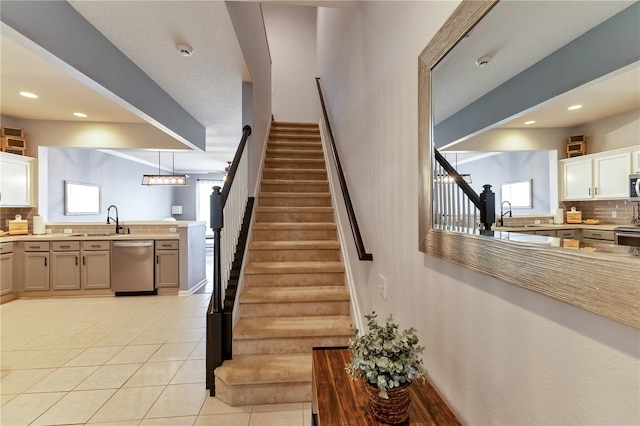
point(393, 411)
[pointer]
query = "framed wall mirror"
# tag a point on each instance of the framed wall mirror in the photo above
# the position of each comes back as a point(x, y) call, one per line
point(81, 198)
point(484, 114)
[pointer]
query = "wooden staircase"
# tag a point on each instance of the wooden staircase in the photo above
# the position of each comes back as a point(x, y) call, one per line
point(295, 296)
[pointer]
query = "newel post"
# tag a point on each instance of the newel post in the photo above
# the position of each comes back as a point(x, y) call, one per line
point(487, 207)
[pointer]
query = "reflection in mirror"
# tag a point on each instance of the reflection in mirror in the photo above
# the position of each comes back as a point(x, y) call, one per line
point(500, 99)
point(81, 198)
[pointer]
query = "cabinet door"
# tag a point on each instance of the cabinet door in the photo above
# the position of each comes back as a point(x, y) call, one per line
point(611, 175)
point(577, 175)
point(65, 270)
point(635, 161)
point(96, 269)
point(36, 271)
point(167, 268)
point(6, 273)
point(16, 181)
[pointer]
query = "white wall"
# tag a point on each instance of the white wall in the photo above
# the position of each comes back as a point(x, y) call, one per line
point(500, 354)
point(291, 31)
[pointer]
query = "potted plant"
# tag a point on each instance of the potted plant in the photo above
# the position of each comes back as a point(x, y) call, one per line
point(388, 360)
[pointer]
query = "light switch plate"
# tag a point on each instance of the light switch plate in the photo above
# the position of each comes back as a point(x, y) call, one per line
point(382, 287)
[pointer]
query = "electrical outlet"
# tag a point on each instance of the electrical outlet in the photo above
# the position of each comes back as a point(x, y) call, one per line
point(614, 214)
point(382, 287)
point(172, 230)
point(67, 230)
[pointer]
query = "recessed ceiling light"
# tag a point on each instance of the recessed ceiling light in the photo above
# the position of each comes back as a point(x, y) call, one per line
point(574, 107)
point(530, 122)
point(29, 95)
point(80, 114)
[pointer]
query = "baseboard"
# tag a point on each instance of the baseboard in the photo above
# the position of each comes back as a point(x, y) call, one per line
point(193, 289)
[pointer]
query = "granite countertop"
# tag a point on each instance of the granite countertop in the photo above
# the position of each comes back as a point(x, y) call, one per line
point(90, 237)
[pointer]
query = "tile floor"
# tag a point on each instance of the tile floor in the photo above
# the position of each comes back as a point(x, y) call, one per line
point(115, 360)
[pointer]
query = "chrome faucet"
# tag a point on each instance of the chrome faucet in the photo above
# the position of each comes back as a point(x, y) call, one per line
point(118, 227)
point(502, 212)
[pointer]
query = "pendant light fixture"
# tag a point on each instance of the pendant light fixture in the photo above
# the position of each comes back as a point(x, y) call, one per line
point(166, 180)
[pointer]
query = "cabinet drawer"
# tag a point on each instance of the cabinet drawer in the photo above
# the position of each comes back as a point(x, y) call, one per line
point(548, 233)
point(6, 248)
point(66, 245)
point(598, 235)
point(566, 233)
point(96, 245)
point(167, 244)
point(36, 246)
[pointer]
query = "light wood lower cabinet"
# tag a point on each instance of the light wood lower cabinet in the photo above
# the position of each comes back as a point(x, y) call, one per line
point(65, 265)
point(96, 265)
point(167, 264)
point(36, 266)
point(6, 273)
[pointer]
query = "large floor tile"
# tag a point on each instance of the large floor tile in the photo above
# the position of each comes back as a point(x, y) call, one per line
point(179, 400)
point(173, 352)
point(82, 340)
point(94, 356)
point(75, 407)
point(127, 404)
point(109, 377)
point(154, 374)
point(234, 419)
point(213, 405)
point(25, 408)
point(277, 418)
point(171, 421)
point(14, 360)
point(134, 354)
point(53, 358)
point(63, 379)
point(192, 371)
point(20, 380)
point(200, 351)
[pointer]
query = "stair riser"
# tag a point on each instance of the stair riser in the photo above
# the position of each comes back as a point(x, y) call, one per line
point(297, 309)
point(316, 255)
point(294, 137)
point(292, 174)
point(298, 146)
point(294, 234)
point(294, 154)
point(294, 187)
point(294, 164)
point(292, 280)
point(294, 202)
point(294, 217)
point(286, 345)
point(257, 394)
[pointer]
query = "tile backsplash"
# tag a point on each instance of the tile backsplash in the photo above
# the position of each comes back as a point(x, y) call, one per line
point(603, 210)
point(9, 213)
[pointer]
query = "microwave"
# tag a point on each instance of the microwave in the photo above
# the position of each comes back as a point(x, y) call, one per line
point(634, 187)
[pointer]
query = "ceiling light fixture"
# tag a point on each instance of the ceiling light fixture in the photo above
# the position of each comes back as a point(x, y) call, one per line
point(574, 107)
point(166, 180)
point(80, 114)
point(29, 95)
point(184, 49)
point(483, 61)
point(530, 122)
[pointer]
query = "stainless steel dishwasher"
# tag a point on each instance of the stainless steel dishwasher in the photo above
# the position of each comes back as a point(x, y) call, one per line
point(132, 267)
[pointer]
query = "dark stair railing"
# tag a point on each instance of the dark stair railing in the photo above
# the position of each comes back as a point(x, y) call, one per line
point(220, 310)
point(452, 210)
point(355, 229)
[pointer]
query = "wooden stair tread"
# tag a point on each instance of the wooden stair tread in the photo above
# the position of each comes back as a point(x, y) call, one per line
point(294, 294)
point(292, 327)
point(284, 169)
point(294, 195)
point(295, 225)
point(292, 181)
point(260, 369)
point(288, 209)
point(295, 245)
point(295, 267)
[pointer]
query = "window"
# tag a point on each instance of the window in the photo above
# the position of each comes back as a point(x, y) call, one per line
point(519, 194)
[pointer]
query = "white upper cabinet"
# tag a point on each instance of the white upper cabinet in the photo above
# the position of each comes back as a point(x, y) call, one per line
point(17, 180)
point(601, 176)
point(635, 161)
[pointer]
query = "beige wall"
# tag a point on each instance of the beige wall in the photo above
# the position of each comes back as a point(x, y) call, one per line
point(500, 354)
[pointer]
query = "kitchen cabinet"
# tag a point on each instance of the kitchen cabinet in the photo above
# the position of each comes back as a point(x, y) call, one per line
point(567, 233)
point(17, 180)
point(547, 233)
point(65, 265)
point(597, 176)
point(635, 161)
point(167, 263)
point(596, 234)
point(96, 264)
point(36, 266)
point(6, 268)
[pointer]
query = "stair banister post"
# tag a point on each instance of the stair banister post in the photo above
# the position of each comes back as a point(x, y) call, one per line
point(217, 222)
point(488, 207)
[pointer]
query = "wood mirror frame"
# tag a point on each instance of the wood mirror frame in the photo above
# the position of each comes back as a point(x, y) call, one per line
point(604, 284)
